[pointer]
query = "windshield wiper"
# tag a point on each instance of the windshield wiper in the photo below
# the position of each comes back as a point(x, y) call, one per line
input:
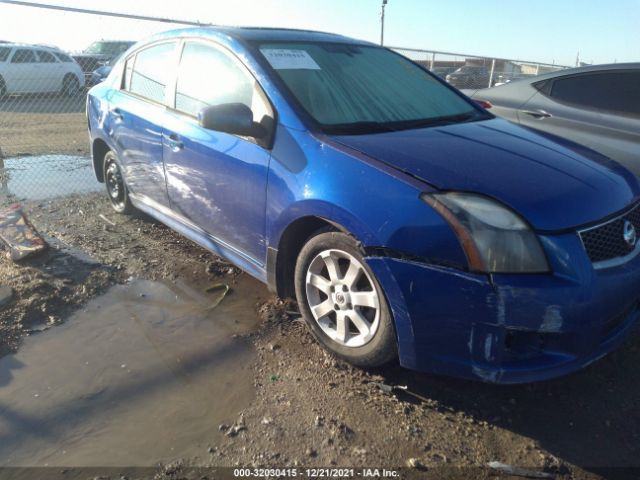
point(358, 128)
point(444, 120)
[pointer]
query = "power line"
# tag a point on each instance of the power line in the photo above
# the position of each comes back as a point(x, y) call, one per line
point(103, 13)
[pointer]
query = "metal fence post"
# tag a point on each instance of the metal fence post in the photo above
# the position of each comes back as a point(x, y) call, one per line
point(493, 67)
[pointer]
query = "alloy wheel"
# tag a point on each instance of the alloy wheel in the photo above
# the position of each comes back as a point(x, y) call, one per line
point(115, 185)
point(342, 298)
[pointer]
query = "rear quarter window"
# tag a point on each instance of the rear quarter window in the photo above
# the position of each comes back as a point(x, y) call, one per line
point(152, 68)
point(63, 58)
point(4, 53)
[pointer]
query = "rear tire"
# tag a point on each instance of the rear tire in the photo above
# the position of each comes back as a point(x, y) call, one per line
point(70, 86)
point(116, 187)
point(3, 88)
point(342, 302)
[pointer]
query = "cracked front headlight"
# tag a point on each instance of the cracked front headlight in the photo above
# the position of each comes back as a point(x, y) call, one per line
point(494, 238)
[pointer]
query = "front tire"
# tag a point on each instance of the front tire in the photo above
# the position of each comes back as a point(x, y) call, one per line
point(116, 188)
point(342, 302)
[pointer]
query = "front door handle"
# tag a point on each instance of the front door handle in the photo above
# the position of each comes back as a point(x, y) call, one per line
point(174, 142)
point(539, 114)
point(117, 113)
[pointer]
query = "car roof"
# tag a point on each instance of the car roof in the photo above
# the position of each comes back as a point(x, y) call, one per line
point(263, 34)
point(589, 68)
point(29, 45)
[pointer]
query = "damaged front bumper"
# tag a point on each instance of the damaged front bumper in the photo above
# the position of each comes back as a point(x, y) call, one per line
point(510, 328)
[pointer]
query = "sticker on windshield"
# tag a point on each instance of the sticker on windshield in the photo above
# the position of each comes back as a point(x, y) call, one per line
point(283, 59)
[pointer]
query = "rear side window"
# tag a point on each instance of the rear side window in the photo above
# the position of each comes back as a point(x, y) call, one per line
point(208, 76)
point(152, 68)
point(46, 57)
point(63, 58)
point(24, 56)
point(4, 53)
point(611, 91)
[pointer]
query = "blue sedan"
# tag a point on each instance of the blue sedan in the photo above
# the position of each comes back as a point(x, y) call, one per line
point(407, 221)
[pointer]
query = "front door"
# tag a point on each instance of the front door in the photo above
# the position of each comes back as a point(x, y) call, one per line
point(216, 180)
point(22, 71)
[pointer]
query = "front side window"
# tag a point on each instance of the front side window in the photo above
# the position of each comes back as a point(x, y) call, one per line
point(151, 71)
point(610, 91)
point(209, 76)
point(4, 53)
point(363, 89)
point(46, 57)
point(24, 56)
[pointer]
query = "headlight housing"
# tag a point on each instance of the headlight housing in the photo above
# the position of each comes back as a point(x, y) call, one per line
point(494, 238)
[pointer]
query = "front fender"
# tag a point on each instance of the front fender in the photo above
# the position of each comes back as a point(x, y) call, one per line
point(309, 177)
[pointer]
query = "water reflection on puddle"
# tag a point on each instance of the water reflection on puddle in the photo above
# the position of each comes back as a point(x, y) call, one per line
point(145, 373)
point(47, 176)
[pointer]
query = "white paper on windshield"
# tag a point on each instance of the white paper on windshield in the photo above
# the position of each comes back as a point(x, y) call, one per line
point(284, 59)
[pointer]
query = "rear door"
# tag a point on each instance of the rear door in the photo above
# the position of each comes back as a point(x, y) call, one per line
point(214, 179)
point(600, 110)
point(135, 117)
point(49, 75)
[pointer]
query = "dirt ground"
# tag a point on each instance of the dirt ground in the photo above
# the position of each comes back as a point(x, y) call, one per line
point(310, 409)
point(43, 124)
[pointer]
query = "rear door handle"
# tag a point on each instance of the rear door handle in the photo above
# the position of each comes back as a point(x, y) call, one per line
point(174, 142)
point(540, 114)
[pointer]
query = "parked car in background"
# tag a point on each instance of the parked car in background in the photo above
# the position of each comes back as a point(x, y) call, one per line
point(442, 72)
point(101, 73)
point(597, 106)
point(99, 54)
point(469, 76)
point(38, 69)
point(405, 219)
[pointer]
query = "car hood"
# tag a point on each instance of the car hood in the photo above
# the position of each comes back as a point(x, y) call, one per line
point(553, 183)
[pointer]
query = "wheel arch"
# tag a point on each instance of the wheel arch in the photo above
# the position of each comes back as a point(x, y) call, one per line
point(284, 248)
point(99, 149)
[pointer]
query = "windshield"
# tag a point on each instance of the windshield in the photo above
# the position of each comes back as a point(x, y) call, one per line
point(107, 48)
point(351, 89)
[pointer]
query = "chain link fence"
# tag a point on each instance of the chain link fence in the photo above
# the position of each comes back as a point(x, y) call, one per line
point(466, 71)
point(44, 149)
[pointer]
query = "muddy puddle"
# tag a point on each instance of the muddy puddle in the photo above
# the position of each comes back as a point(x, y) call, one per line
point(46, 176)
point(145, 373)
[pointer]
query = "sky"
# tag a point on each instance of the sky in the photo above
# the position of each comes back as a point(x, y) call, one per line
point(549, 31)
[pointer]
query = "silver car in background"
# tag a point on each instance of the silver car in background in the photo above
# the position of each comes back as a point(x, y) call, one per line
point(597, 106)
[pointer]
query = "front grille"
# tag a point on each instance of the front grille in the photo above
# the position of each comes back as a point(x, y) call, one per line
point(606, 241)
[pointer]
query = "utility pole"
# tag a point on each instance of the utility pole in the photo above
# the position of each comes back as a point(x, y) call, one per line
point(384, 4)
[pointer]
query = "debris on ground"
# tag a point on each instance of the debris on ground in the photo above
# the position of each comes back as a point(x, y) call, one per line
point(416, 463)
point(109, 222)
point(518, 471)
point(237, 427)
point(221, 290)
point(18, 235)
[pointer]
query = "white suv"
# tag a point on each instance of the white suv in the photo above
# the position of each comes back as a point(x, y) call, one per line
point(38, 69)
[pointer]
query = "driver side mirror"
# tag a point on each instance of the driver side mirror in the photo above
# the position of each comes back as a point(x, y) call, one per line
point(233, 118)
